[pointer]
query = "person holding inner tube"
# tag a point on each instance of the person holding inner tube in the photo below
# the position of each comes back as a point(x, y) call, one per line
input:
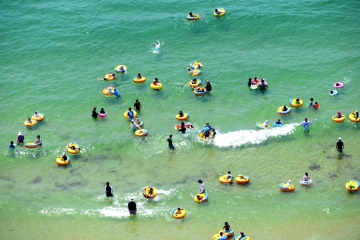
point(182, 128)
point(38, 141)
point(134, 125)
point(356, 114)
point(109, 190)
point(243, 236)
point(206, 130)
point(130, 114)
point(227, 227)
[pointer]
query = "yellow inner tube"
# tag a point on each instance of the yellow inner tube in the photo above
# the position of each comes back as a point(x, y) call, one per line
point(106, 91)
point(194, 84)
point(280, 111)
point(140, 80)
point(180, 215)
point(352, 117)
point(42, 117)
point(118, 67)
point(126, 112)
point(242, 179)
point(222, 12)
point(352, 186)
point(336, 119)
point(202, 196)
point(211, 135)
point(287, 188)
point(195, 17)
point(195, 72)
point(141, 132)
point(61, 162)
point(33, 123)
point(109, 77)
point(156, 87)
point(184, 117)
point(223, 179)
point(147, 194)
point(70, 150)
point(294, 104)
point(197, 65)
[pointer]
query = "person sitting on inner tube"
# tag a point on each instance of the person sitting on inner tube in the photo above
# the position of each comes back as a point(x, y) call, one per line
point(36, 114)
point(199, 89)
point(134, 126)
point(297, 101)
point(156, 81)
point(111, 76)
point(316, 105)
point(102, 111)
point(228, 175)
point(278, 122)
point(356, 114)
point(194, 81)
point(191, 71)
point(339, 115)
point(208, 86)
point(243, 236)
point(199, 197)
point(121, 69)
point(72, 147)
point(256, 80)
point(206, 130)
point(265, 124)
point(29, 120)
point(182, 128)
point(64, 157)
point(305, 177)
point(217, 11)
point(137, 120)
point(227, 227)
point(191, 15)
point(110, 88)
point(288, 184)
point(181, 114)
point(284, 109)
point(139, 76)
point(241, 176)
point(178, 211)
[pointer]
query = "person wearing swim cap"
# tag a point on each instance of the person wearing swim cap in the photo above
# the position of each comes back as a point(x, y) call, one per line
point(339, 145)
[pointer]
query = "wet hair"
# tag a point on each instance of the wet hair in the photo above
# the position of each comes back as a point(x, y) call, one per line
point(38, 136)
point(305, 119)
point(311, 99)
point(107, 183)
point(179, 209)
point(226, 223)
point(170, 135)
point(11, 142)
point(306, 174)
point(200, 181)
point(129, 109)
point(228, 173)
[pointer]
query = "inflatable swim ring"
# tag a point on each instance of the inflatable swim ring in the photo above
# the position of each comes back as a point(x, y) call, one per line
point(222, 12)
point(218, 237)
point(185, 125)
point(33, 123)
point(200, 93)
point(260, 126)
point(198, 82)
point(195, 17)
point(31, 145)
point(238, 237)
point(117, 69)
point(306, 183)
point(334, 93)
point(126, 114)
point(280, 111)
point(294, 104)
point(278, 125)
point(338, 85)
point(158, 86)
point(107, 93)
point(141, 132)
point(180, 215)
point(40, 118)
point(242, 179)
point(73, 151)
point(352, 185)
point(140, 80)
point(229, 234)
point(102, 115)
point(352, 117)
point(211, 135)
point(146, 192)
point(196, 65)
point(223, 179)
point(109, 77)
point(285, 188)
point(195, 72)
point(336, 119)
point(61, 162)
point(184, 117)
point(203, 197)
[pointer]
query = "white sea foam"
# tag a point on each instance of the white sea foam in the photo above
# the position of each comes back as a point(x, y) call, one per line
point(241, 137)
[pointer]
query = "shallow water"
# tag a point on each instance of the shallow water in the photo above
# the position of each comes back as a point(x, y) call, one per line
point(54, 52)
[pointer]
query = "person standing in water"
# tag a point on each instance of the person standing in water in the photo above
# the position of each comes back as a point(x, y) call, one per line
point(171, 146)
point(108, 190)
point(137, 105)
point(38, 141)
point(208, 86)
point(132, 207)
point(94, 114)
point(12, 146)
point(339, 145)
point(20, 138)
point(202, 186)
point(306, 124)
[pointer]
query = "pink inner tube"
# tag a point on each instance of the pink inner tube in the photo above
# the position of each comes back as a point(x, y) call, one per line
point(338, 85)
point(102, 115)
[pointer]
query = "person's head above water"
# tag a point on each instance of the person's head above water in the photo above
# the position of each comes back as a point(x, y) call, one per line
point(107, 183)
point(200, 181)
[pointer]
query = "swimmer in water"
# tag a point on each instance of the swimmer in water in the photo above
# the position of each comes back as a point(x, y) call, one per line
point(157, 47)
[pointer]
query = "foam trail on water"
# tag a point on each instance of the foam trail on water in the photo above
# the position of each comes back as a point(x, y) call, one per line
point(241, 137)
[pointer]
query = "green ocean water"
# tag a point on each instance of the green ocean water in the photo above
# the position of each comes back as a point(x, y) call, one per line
point(52, 54)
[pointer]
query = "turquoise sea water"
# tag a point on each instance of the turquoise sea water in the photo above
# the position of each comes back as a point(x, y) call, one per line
point(52, 54)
